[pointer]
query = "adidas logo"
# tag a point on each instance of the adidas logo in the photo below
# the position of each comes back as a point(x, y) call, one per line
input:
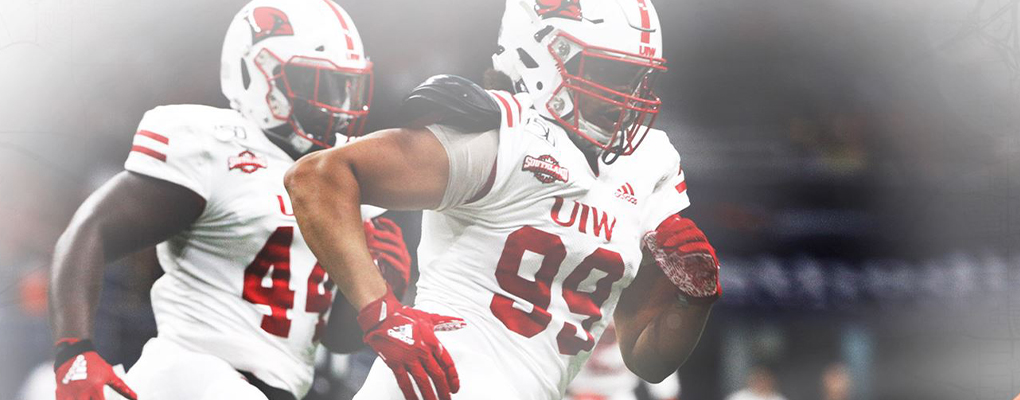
point(626, 193)
point(78, 372)
point(403, 333)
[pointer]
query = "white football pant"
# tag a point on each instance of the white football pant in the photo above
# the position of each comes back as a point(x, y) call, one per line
point(167, 371)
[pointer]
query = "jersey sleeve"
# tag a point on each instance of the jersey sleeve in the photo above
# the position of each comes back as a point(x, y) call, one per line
point(472, 159)
point(669, 197)
point(473, 155)
point(166, 147)
point(511, 108)
point(368, 211)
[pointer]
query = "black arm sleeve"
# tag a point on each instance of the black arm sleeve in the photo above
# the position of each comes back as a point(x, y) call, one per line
point(452, 101)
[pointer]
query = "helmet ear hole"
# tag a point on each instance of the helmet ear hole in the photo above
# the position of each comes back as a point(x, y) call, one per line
point(538, 85)
point(245, 77)
point(520, 86)
point(542, 33)
point(526, 59)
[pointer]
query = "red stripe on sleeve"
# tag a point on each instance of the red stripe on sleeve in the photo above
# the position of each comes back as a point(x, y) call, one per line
point(506, 106)
point(681, 187)
point(520, 111)
point(154, 136)
point(149, 152)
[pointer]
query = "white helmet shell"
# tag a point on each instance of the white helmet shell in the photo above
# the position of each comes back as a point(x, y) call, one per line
point(628, 26)
point(265, 34)
point(531, 46)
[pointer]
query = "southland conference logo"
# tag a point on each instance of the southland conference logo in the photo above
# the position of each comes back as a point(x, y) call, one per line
point(545, 168)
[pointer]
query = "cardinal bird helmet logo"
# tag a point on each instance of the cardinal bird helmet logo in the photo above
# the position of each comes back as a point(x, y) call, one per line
point(559, 9)
point(267, 22)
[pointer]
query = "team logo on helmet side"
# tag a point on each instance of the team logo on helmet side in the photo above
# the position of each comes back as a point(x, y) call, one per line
point(545, 168)
point(247, 162)
point(558, 9)
point(267, 22)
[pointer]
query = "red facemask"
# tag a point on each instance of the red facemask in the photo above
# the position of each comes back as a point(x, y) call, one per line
point(325, 99)
point(611, 92)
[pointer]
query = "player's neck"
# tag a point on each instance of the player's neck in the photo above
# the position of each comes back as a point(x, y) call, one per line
point(590, 151)
point(278, 136)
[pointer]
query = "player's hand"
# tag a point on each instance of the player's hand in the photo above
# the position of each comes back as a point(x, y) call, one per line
point(82, 373)
point(686, 257)
point(386, 244)
point(405, 340)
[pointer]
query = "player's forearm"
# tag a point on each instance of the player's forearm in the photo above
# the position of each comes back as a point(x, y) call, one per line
point(76, 279)
point(657, 332)
point(659, 347)
point(326, 199)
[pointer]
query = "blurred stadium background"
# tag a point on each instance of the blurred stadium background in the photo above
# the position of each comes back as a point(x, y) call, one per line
point(857, 165)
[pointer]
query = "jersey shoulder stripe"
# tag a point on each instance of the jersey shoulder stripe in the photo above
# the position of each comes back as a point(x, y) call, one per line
point(175, 143)
point(512, 114)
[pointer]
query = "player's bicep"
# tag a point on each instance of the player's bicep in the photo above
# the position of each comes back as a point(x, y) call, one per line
point(399, 169)
point(133, 211)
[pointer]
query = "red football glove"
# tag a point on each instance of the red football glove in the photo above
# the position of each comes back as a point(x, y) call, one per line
point(686, 257)
point(82, 373)
point(405, 339)
point(386, 244)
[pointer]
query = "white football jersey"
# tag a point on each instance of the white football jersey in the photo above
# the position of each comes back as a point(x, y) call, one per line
point(240, 283)
point(537, 265)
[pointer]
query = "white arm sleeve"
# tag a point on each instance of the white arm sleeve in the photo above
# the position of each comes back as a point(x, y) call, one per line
point(670, 195)
point(472, 158)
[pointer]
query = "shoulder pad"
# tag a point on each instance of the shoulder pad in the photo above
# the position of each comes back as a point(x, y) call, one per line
point(453, 101)
point(191, 119)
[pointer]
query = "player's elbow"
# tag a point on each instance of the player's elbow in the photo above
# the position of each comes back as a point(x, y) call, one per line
point(82, 239)
point(305, 176)
point(87, 225)
point(648, 369)
point(298, 175)
point(659, 375)
point(650, 363)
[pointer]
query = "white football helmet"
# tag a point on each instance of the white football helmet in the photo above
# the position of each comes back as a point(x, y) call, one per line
point(588, 64)
point(298, 69)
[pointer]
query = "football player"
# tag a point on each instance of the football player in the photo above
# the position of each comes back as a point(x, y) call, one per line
point(547, 212)
point(243, 301)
